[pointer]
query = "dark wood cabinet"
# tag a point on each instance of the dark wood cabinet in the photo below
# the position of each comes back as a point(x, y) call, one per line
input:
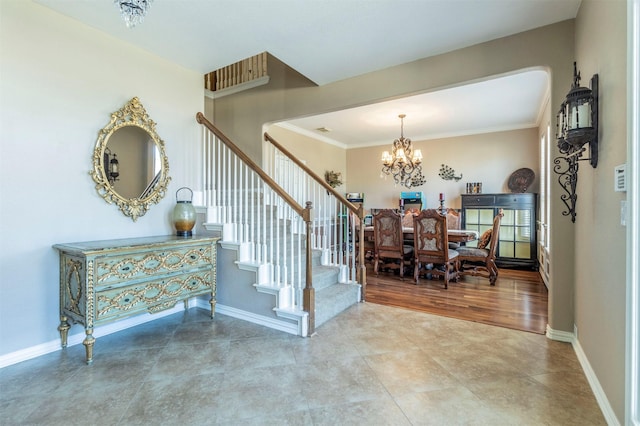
point(517, 245)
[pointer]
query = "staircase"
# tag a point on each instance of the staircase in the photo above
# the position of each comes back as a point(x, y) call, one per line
point(302, 256)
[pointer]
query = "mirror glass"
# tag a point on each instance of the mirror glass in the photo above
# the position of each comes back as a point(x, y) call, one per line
point(130, 166)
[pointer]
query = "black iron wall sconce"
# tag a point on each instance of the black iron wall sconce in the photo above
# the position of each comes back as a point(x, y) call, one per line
point(111, 166)
point(576, 126)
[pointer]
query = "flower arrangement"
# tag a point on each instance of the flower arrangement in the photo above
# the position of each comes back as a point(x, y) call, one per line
point(333, 178)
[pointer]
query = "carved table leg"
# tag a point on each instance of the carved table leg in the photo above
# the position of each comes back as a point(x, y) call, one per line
point(63, 328)
point(212, 302)
point(88, 344)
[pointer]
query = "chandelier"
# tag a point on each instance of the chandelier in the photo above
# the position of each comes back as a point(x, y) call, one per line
point(133, 11)
point(403, 163)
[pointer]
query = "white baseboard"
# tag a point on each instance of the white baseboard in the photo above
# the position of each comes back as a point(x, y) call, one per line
point(560, 336)
point(596, 388)
point(77, 338)
point(287, 327)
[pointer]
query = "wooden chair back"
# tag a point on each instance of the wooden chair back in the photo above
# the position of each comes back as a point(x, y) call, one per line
point(387, 234)
point(389, 249)
point(367, 245)
point(430, 239)
point(453, 219)
point(431, 247)
point(495, 236)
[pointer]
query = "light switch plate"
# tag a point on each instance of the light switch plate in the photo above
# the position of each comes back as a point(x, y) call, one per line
point(620, 178)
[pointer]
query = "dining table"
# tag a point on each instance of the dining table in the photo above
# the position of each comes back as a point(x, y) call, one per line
point(454, 235)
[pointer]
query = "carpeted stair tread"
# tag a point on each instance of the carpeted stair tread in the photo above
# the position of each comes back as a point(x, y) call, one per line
point(324, 276)
point(332, 300)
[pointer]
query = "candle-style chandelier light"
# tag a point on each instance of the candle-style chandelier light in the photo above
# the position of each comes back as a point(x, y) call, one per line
point(133, 11)
point(404, 164)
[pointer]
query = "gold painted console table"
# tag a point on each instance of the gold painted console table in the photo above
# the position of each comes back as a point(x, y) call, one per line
point(105, 281)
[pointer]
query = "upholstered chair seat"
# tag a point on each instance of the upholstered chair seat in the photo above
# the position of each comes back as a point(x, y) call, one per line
point(473, 252)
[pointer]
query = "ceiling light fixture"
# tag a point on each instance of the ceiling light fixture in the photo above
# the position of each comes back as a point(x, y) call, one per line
point(403, 163)
point(133, 11)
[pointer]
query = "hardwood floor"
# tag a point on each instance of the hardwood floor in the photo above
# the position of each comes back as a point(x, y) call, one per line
point(517, 301)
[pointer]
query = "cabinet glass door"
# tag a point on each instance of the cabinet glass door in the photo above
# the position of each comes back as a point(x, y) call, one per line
point(515, 234)
point(478, 220)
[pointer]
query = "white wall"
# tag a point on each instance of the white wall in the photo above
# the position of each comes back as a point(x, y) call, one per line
point(59, 82)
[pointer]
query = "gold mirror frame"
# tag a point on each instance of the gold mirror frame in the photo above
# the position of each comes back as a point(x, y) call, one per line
point(132, 114)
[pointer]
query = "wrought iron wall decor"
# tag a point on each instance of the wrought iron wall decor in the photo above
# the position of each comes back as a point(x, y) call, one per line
point(447, 173)
point(576, 126)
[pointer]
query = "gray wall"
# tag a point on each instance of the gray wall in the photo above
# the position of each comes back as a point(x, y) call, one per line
point(600, 238)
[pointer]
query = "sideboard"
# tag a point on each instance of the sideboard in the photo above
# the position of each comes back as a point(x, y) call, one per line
point(105, 281)
point(517, 243)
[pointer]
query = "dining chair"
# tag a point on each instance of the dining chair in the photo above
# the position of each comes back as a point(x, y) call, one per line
point(389, 248)
point(367, 245)
point(431, 247)
point(453, 219)
point(481, 260)
point(453, 222)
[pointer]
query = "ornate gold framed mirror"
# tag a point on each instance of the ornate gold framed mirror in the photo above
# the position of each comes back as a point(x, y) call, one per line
point(130, 166)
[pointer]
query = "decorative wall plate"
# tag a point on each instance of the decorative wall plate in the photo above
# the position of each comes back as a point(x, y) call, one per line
point(521, 179)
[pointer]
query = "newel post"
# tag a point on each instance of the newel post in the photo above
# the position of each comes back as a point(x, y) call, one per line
point(309, 293)
point(362, 279)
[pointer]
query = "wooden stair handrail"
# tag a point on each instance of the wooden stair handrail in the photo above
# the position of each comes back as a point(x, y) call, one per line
point(305, 213)
point(359, 211)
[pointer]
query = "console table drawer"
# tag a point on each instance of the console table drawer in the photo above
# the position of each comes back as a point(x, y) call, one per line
point(136, 265)
point(150, 296)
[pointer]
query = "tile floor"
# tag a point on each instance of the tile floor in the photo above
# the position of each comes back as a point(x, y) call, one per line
point(372, 365)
